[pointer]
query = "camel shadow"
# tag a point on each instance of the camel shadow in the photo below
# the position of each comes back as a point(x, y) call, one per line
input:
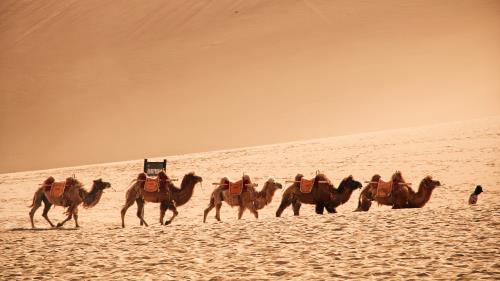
point(43, 229)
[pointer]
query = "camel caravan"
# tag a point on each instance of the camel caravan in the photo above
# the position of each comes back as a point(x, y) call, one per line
point(318, 191)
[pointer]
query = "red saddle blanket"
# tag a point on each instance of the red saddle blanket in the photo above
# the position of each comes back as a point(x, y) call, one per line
point(306, 185)
point(384, 189)
point(236, 188)
point(56, 189)
point(151, 184)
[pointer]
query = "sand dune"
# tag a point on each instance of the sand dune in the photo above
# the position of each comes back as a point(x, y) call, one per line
point(445, 240)
point(125, 69)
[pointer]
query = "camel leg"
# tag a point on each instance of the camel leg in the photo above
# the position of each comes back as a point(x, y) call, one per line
point(254, 211)
point(163, 210)
point(140, 212)
point(37, 203)
point(330, 210)
point(364, 204)
point(138, 201)
point(175, 213)
point(70, 215)
point(46, 210)
point(75, 216)
point(320, 208)
point(207, 210)
point(217, 211)
point(296, 207)
point(127, 205)
point(284, 204)
point(241, 210)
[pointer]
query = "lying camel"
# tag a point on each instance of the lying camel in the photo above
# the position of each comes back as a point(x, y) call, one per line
point(323, 194)
point(402, 195)
point(248, 199)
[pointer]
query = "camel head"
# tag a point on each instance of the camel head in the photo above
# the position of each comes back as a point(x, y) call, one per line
point(192, 177)
point(349, 183)
point(99, 184)
point(429, 183)
point(270, 183)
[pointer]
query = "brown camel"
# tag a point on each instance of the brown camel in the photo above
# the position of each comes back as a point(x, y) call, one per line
point(167, 194)
point(323, 194)
point(74, 194)
point(249, 198)
point(402, 195)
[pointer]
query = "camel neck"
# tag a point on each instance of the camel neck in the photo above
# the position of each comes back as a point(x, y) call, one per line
point(91, 198)
point(422, 196)
point(183, 194)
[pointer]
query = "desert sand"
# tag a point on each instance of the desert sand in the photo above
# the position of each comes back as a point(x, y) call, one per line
point(445, 240)
point(199, 69)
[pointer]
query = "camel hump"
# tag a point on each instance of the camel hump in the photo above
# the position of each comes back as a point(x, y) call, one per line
point(49, 181)
point(397, 177)
point(376, 178)
point(163, 176)
point(322, 177)
point(141, 177)
point(298, 177)
point(71, 181)
point(224, 180)
point(246, 179)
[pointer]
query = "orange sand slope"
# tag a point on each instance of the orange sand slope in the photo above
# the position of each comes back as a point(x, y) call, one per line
point(377, 64)
point(445, 240)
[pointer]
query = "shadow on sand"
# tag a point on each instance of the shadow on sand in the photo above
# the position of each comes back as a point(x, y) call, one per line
point(42, 229)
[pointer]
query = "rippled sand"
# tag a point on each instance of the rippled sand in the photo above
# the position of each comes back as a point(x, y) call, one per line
point(447, 239)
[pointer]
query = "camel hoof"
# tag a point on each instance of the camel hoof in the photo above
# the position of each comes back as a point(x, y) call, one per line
point(59, 225)
point(168, 222)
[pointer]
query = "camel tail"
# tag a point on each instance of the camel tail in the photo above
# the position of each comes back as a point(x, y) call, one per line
point(33, 202)
point(34, 199)
point(129, 190)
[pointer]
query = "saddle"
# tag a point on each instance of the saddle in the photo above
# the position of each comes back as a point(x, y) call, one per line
point(151, 184)
point(235, 188)
point(384, 189)
point(306, 185)
point(56, 189)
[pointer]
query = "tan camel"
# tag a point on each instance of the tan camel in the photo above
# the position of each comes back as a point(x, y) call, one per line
point(74, 194)
point(166, 195)
point(249, 199)
point(323, 194)
point(402, 195)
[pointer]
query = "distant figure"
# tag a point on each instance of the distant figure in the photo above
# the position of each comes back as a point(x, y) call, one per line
point(473, 197)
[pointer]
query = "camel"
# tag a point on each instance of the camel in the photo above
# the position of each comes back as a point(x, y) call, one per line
point(180, 196)
point(168, 195)
point(74, 194)
point(249, 199)
point(323, 194)
point(402, 195)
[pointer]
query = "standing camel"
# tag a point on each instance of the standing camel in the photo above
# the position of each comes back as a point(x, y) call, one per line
point(323, 194)
point(74, 194)
point(248, 199)
point(402, 195)
point(164, 195)
point(180, 196)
